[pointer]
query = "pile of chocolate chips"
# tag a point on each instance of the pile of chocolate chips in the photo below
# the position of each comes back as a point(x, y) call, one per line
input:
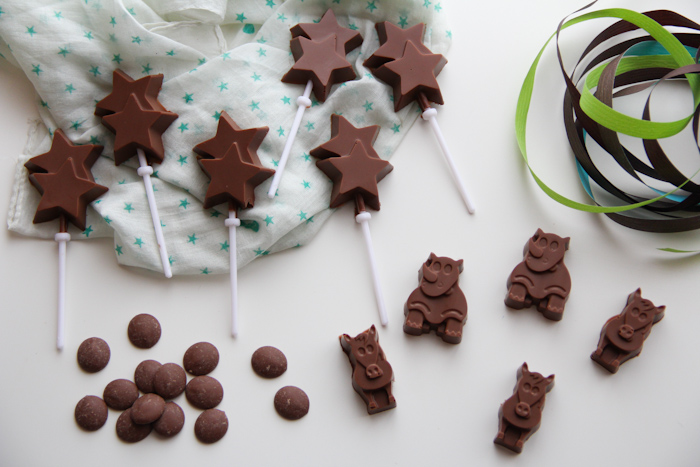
point(290, 402)
point(159, 383)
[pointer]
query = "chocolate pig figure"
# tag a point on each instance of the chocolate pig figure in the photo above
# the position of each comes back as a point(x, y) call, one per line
point(371, 373)
point(542, 278)
point(438, 303)
point(622, 336)
point(520, 415)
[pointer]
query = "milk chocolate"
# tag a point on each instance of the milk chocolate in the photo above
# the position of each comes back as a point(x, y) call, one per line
point(291, 403)
point(204, 392)
point(136, 126)
point(145, 89)
point(144, 331)
point(623, 336)
point(211, 426)
point(171, 421)
point(355, 176)
point(144, 375)
point(170, 381)
point(64, 195)
point(521, 414)
point(413, 77)
point(93, 354)
point(84, 157)
point(269, 362)
point(343, 137)
point(201, 359)
point(372, 374)
point(346, 38)
point(147, 409)
point(130, 432)
point(392, 43)
point(91, 413)
point(317, 61)
point(120, 394)
point(438, 303)
point(541, 278)
point(227, 133)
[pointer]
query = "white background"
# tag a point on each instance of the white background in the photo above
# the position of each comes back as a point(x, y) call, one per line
point(301, 301)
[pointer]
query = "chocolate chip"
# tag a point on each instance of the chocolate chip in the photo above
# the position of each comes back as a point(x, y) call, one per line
point(144, 331)
point(211, 426)
point(171, 422)
point(129, 431)
point(204, 392)
point(144, 374)
point(170, 380)
point(291, 403)
point(91, 413)
point(269, 362)
point(120, 394)
point(201, 358)
point(93, 354)
point(147, 409)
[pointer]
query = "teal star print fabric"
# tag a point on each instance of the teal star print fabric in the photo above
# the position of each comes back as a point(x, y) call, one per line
point(216, 55)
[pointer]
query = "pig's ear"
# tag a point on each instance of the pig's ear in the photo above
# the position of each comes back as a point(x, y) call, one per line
point(524, 369)
point(550, 381)
point(660, 309)
point(431, 258)
point(460, 265)
point(372, 331)
point(566, 243)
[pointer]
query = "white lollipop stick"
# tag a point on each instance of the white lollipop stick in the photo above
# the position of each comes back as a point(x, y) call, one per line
point(363, 218)
point(146, 171)
point(303, 102)
point(430, 115)
point(61, 238)
point(232, 222)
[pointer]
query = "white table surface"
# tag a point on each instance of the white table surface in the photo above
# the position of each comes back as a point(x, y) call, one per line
point(448, 396)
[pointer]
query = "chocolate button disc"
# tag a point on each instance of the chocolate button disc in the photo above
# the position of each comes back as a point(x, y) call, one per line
point(144, 331)
point(204, 392)
point(93, 354)
point(144, 374)
point(269, 362)
point(120, 394)
point(91, 413)
point(201, 359)
point(129, 431)
point(171, 422)
point(211, 426)
point(170, 380)
point(147, 409)
point(291, 403)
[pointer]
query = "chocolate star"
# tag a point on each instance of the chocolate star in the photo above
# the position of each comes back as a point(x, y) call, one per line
point(146, 90)
point(355, 175)
point(227, 133)
point(412, 75)
point(138, 127)
point(346, 38)
point(84, 157)
point(343, 138)
point(392, 40)
point(233, 180)
point(64, 193)
point(318, 61)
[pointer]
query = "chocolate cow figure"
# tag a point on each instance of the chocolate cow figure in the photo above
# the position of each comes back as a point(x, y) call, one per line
point(542, 278)
point(622, 336)
point(521, 414)
point(438, 303)
point(371, 373)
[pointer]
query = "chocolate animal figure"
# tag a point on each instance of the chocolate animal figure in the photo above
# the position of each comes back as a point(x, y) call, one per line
point(437, 304)
point(371, 373)
point(521, 414)
point(542, 278)
point(622, 336)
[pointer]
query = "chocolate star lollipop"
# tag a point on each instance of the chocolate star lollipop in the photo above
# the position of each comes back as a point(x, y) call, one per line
point(231, 162)
point(343, 137)
point(319, 53)
point(403, 62)
point(133, 113)
point(355, 175)
point(67, 187)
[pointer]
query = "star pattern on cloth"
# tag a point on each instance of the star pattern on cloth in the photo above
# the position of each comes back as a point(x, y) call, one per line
point(318, 62)
point(227, 133)
point(145, 89)
point(355, 176)
point(137, 127)
point(233, 180)
point(413, 76)
point(392, 43)
point(84, 157)
point(346, 39)
point(343, 137)
point(65, 194)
